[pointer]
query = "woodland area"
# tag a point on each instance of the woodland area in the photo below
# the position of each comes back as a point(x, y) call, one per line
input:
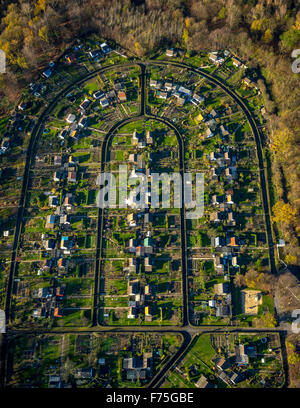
point(263, 32)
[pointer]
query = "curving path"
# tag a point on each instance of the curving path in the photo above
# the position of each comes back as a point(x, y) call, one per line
point(104, 154)
point(187, 330)
point(259, 148)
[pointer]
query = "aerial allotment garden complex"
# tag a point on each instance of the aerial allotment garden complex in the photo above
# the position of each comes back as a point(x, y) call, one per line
point(116, 295)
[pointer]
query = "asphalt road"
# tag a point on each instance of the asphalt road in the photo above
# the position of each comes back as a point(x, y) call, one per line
point(187, 330)
point(259, 151)
point(106, 144)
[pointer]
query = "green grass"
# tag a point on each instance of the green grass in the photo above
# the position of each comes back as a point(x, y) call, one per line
point(91, 87)
point(119, 155)
point(131, 127)
point(203, 349)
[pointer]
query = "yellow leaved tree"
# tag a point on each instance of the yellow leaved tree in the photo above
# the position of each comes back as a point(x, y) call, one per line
point(185, 35)
point(293, 357)
point(296, 26)
point(138, 49)
point(43, 33)
point(284, 213)
point(281, 141)
point(290, 259)
point(256, 25)
point(40, 6)
point(268, 36)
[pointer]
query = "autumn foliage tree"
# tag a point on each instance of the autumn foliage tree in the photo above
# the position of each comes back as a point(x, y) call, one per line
point(284, 213)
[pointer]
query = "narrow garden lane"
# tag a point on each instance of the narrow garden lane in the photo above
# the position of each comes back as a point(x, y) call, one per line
point(187, 330)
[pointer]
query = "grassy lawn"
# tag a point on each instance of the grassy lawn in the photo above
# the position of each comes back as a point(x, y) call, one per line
point(203, 349)
point(91, 87)
point(131, 127)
